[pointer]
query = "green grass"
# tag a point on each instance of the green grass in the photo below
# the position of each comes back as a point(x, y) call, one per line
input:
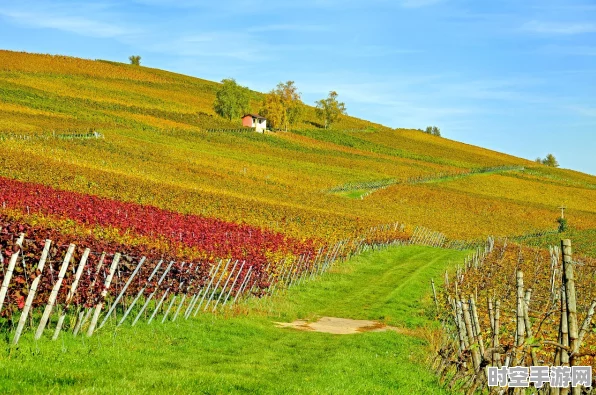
point(245, 353)
point(353, 194)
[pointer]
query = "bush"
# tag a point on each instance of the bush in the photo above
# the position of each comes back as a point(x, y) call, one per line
point(435, 131)
point(562, 225)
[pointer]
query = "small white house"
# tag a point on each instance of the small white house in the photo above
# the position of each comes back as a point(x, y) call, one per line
point(255, 121)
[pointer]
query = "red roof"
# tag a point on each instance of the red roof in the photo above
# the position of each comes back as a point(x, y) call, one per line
point(254, 116)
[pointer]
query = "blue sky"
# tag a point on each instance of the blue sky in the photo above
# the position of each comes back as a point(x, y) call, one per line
point(514, 76)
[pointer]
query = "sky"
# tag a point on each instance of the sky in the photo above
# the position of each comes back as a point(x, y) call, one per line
point(514, 76)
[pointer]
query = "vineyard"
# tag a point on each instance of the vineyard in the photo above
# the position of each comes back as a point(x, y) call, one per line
point(510, 306)
point(157, 150)
point(124, 199)
point(87, 285)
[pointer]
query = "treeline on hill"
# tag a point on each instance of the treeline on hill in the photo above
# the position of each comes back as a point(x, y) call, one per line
point(282, 106)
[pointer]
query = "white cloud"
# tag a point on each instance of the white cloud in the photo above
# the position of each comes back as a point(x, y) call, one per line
point(267, 6)
point(418, 3)
point(289, 27)
point(559, 28)
point(59, 17)
point(584, 110)
point(238, 46)
point(576, 50)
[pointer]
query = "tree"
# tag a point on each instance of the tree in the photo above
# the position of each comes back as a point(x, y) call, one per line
point(435, 131)
point(329, 109)
point(135, 60)
point(550, 160)
point(282, 106)
point(273, 110)
point(231, 100)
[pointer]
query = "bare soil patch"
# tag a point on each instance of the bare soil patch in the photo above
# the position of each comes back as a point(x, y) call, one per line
point(339, 326)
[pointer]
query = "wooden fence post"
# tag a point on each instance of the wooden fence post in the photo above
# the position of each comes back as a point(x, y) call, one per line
point(32, 291)
point(521, 325)
point(132, 276)
point(234, 283)
point(204, 291)
point(54, 294)
point(163, 276)
point(217, 285)
point(569, 279)
point(139, 294)
point(71, 292)
point(84, 316)
point(103, 295)
point(223, 290)
point(432, 283)
point(8, 275)
point(243, 285)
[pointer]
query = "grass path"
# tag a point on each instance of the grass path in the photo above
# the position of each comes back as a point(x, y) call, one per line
point(245, 353)
point(363, 189)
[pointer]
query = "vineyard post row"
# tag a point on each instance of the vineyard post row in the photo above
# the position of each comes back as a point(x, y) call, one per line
point(465, 353)
point(140, 288)
point(52, 135)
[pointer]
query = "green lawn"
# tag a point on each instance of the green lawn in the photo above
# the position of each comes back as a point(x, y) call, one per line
point(246, 353)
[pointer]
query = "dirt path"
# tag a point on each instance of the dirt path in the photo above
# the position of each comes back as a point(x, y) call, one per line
point(341, 326)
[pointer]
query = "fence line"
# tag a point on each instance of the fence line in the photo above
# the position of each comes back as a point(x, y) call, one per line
point(516, 337)
point(373, 186)
point(52, 135)
point(128, 286)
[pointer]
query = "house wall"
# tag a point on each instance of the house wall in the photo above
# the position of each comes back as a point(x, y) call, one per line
point(261, 125)
point(247, 121)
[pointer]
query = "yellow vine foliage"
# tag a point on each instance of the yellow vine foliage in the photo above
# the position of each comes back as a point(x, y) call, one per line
point(156, 150)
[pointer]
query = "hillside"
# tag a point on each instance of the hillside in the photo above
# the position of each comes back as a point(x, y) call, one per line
point(307, 183)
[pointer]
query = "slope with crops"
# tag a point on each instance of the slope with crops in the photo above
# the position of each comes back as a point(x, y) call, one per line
point(156, 150)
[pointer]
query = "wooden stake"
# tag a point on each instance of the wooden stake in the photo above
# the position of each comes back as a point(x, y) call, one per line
point(564, 358)
point(223, 290)
point(521, 326)
point(586, 325)
point(528, 324)
point(569, 279)
point(491, 314)
point(217, 285)
point(54, 293)
point(165, 316)
point(468, 322)
point(163, 276)
point(8, 275)
point(476, 322)
point(199, 291)
point(84, 316)
point(103, 295)
point(32, 291)
point(71, 292)
point(205, 291)
point(234, 283)
point(432, 283)
point(496, 343)
point(243, 286)
point(165, 294)
point(140, 293)
point(132, 276)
